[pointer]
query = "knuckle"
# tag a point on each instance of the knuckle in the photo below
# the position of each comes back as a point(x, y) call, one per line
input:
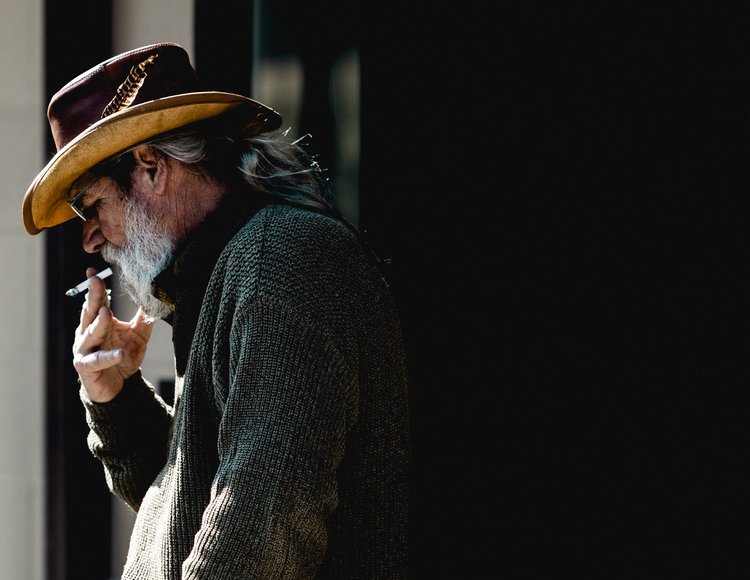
point(78, 362)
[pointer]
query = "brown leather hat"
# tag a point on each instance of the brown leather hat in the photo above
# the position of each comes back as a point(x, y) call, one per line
point(119, 103)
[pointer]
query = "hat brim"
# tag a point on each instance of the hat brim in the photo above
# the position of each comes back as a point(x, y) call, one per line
point(45, 202)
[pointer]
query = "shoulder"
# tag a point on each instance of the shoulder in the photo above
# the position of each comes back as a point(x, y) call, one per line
point(286, 222)
point(282, 230)
point(283, 248)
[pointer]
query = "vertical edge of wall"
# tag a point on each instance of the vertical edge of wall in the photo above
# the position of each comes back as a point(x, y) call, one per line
point(77, 501)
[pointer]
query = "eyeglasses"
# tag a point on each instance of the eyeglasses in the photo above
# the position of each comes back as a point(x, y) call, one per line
point(103, 169)
point(85, 213)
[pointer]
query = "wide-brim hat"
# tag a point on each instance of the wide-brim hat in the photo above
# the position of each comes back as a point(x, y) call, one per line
point(118, 104)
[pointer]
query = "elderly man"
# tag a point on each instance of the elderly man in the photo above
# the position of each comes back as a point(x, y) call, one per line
point(285, 452)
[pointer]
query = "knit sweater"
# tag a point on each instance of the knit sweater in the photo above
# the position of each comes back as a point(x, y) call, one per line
point(285, 453)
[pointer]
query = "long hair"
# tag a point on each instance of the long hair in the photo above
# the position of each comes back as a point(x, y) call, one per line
point(270, 164)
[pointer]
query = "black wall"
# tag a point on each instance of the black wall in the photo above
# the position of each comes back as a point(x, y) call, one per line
point(561, 193)
point(78, 503)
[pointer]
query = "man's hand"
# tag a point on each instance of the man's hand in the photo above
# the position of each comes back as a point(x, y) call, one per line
point(106, 350)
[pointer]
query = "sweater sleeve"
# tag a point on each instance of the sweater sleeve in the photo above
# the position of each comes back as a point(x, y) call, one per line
point(282, 432)
point(129, 435)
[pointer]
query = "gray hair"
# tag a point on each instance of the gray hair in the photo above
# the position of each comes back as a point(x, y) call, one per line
point(269, 163)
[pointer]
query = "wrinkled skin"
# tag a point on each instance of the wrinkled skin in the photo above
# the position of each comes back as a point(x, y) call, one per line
point(106, 351)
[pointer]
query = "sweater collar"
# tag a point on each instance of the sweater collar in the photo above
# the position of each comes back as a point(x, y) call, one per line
point(196, 257)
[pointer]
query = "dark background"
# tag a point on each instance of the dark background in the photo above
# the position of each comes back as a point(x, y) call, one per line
point(560, 193)
point(566, 215)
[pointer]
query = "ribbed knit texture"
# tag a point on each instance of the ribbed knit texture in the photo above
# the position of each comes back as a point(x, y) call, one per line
point(286, 453)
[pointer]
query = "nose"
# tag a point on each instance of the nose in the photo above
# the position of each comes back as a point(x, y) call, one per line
point(93, 238)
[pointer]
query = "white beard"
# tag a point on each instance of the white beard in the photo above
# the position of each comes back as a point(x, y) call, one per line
point(144, 255)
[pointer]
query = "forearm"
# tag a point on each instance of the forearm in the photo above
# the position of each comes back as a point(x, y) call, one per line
point(129, 436)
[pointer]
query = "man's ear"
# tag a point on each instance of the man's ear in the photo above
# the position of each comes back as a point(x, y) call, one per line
point(151, 170)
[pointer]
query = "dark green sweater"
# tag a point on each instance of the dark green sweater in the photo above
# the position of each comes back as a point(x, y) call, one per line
point(285, 455)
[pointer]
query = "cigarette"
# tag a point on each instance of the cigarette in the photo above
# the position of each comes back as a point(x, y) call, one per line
point(76, 290)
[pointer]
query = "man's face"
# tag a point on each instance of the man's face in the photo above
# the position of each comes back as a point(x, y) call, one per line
point(127, 231)
point(102, 202)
